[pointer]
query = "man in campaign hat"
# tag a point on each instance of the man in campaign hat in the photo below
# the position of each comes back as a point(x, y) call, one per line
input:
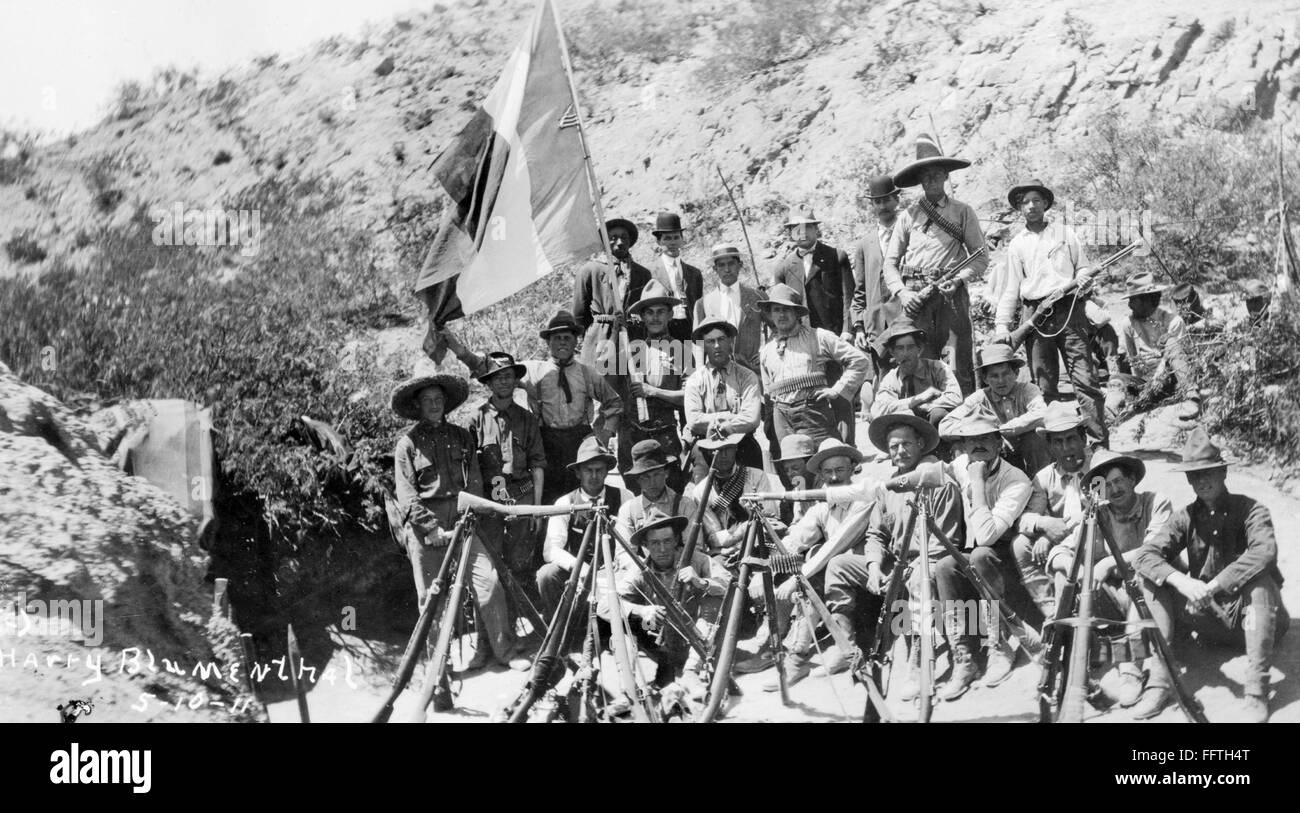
point(1153, 350)
point(657, 367)
point(1018, 404)
point(926, 387)
point(1231, 587)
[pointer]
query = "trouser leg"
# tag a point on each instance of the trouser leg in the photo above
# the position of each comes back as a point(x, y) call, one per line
point(954, 316)
point(1073, 347)
point(1043, 366)
point(1035, 579)
point(1262, 616)
point(1163, 601)
point(550, 586)
point(490, 596)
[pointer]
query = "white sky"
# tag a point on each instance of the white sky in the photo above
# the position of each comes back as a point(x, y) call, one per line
point(60, 60)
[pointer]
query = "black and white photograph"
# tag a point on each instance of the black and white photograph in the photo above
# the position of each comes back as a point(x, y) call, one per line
point(650, 361)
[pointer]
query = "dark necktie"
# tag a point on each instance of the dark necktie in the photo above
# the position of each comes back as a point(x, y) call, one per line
point(564, 380)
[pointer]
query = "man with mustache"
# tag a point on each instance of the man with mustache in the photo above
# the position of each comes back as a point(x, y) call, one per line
point(931, 236)
point(1018, 404)
point(994, 494)
point(874, 308)
point(1056, 506)
point(680, 280)
point(1232, 562)
point(722, 398)
point(924, 387)
point(795, 366)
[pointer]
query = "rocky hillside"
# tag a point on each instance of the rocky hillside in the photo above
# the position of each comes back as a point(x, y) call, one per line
point(669, 95)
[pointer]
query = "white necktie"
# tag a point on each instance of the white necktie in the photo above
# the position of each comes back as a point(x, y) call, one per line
point(679, 286)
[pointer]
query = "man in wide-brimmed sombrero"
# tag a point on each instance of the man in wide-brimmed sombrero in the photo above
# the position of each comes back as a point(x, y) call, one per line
point(1018, 404)
point(794, 368)
point(855, 581)
point(432, 463)
point(1232, 554)
point(603, 289)
point(1043, 260)
point(873, 307)
point(683, 281)
point(563, 393)
point(1153, 352)
point(926, 387)
point(512, 459)
point(931, 236)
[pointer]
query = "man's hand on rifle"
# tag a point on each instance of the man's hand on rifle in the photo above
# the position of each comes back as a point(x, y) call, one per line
point(1041, 547)
point(1103, 569)
point(910, 300)
point(689, 578)
point(785, 592)
point(651, 616)
point(950, 286)
point(860, 340)
point(876, 579)
point(826, 394)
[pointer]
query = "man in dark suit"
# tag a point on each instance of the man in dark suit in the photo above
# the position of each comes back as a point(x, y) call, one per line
point(735, 302)
point(683, 281)
point(602, 293)
point(823, 276)
point(873, 306)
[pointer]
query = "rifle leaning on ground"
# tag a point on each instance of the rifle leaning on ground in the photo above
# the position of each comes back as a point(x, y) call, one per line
point(924, 295)
point(1046, 309)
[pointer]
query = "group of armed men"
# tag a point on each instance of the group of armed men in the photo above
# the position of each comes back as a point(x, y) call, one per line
point(781, 373)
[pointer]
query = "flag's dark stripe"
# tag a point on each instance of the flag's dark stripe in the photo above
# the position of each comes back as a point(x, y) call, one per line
point(470, 171)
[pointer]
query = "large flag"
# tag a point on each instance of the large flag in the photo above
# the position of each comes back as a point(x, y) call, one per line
point(518, 181)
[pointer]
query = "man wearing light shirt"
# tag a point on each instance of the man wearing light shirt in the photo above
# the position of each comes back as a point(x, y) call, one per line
point(1042, 260)
point(994, 493)
point(1019, 406)
point(931, 236)
point(735, 302)
point(683, 280)
point(721, 398)
point(925, 387)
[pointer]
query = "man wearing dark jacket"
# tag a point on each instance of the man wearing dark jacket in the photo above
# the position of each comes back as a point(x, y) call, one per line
point(683, 280)
point(1231, 590)
point(602, 293)
point(873, 307)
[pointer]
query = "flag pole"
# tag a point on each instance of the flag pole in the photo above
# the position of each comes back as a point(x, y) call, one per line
point(597, 210)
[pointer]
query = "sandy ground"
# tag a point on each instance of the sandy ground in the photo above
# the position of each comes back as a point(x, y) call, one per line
point(1214, 674)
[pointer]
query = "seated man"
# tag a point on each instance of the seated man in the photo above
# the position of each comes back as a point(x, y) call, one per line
point(1128, 518)
point(1019, 406)
point(564, 532)
point(855, 582)
point(994, 493)
point(650, 467)
point(433, 462)
point(659, 540)
point(1056, 505)
point(1230, 591)
point(1153, 350)
point(834, 464)
point(925, 387)
point(793, 466)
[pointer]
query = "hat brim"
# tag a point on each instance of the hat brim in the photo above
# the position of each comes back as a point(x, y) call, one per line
point(890, 194)
point(792, 458)
point(1199, 465)
point(609, 459)
point(966, 430)
point(678, 524)
point(722, 443)
point(546, 332)
point(642, 304)
point(891, 336)
point(714, 324)
point(402, 400)
point(878, 430)
point(1144, 291)
point(1013, 197)
point(802, 223)
point(734, 256)
point(657, 232)
point(632, 232)
point(910, 175)
point(1043, 431)
point(1136, 468)
point(640, 468)
point(767, 303)
point(843, 450)
point(520, 372)
point(1015, 361)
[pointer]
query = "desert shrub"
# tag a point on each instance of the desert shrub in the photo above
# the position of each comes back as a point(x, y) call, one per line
point(147, 321)
point(129, 99)
point(601, 37)
point(23, 248)
point(100, 175)
point(16, 151)
point(764, 33)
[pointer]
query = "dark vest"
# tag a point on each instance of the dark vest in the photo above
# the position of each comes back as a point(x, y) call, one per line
point(578, 520)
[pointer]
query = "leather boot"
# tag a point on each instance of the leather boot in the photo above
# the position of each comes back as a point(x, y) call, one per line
point(964, 671)
point(835, 660)
point(911, 687)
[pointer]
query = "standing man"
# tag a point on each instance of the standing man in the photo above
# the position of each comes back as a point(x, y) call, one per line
point(1041, 261)
point(735, 302)
point(1056, 504)
point(794, 366)
point(1153, 348)
point(721, 398)
point(652, 389)
point(1018, 404)
point(873, 306)
point(683, 281)
point(994, 493)
point(508, 440)
point(932, 235)
point(564, 393)
point(923, 386)
point(1232, 564)
point(602, 293)
point(432, 463)
point(823, 277)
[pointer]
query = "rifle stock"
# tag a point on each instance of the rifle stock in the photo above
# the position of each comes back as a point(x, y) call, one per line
point(469, 502)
